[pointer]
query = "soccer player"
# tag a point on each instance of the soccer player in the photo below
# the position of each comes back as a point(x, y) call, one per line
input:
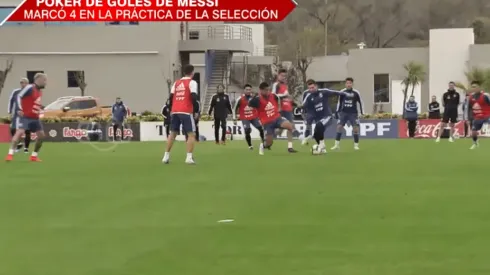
point(12, 110)
point(316, 104)
point(119, 113)
point(248, 116)
point(479, 103)
point(308, 122)
point(183, 106)
point(280, 88)
point(267, 105)
point(349, 113)
point(450, 101)
point(29, 104)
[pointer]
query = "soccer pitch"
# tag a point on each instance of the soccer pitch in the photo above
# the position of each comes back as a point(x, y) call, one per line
point(396, 207)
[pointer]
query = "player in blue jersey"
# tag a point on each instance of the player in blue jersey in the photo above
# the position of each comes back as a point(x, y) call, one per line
point(308, 122)
point(13, 110)
point(317, 107)
point(348, 112)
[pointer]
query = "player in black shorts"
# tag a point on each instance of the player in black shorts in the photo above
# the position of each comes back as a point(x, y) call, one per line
point(450, 101)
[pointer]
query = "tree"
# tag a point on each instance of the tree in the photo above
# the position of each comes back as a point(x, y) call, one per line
point(303, 62)
point(476, 74)
point(481, 28)
point(80, 79)
point(4, 73)
point(415, 76)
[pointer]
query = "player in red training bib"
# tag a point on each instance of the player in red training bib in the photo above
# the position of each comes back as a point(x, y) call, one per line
point(183, 107)
point(249, 116)
point(479, 104)
point(280, 88)
point(29, 102)
point(267, 105)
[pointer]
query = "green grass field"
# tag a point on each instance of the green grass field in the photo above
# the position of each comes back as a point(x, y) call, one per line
point(396, 207)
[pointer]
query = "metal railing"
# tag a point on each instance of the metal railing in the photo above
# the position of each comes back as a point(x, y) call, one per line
point(202, 32)
point(267, 50)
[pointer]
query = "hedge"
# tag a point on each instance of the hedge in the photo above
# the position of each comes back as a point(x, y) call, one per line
point(148, 116)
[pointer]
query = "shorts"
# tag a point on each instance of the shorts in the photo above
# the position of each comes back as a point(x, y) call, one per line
point(15, 122)
point(117, 123)
point(269, 128)
point(450, 116)
point(254, 122)
point(30, 124)
point(351, 119)
point(326, 121)
point(478, 124)
point(288, 116)
point(185, 120)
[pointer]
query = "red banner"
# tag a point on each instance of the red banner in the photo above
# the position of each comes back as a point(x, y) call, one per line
point(152, 10)
point(428, 128)
point(4, 133)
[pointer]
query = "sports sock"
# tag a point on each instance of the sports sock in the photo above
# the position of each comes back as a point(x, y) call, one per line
point(34, 154)
point(189, 155)
point(338, 136)
point(475, 139)
point(11, 151)
point(356, 138)
point(290, 145)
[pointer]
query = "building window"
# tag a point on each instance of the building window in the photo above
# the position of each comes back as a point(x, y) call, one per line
point(30, 75)
point(193, 35)
point(5, 11)
point(381, 88)
point(119, 23)
point(73, 78)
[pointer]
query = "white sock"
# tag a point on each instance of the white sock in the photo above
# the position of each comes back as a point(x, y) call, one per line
point(189, 155)
point(337, 143)
point(11, 151)
point(290, 144)
point(167, 154)
point(356, 144)
point(322, 143)
point(34, 154)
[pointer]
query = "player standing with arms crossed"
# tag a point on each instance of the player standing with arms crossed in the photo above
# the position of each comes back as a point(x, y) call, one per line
point(348, 113)
point(183, 108)
point(316, 104)
point(479, 103)
point(248, 115)
point(267, 105)
point(450, 101)
point(29, 104)
point(280, 88)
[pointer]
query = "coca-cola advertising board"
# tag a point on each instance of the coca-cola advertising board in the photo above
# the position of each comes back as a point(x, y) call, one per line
point(428, 128)
point(4, 133)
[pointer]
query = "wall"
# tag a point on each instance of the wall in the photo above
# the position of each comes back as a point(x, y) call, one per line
point(139, 78)
point(363, 64)
point(449, 56)
point(479, 56)
point(328, 68)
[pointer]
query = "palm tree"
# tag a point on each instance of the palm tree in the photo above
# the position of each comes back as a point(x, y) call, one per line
point(415, 76)
point(476, 74)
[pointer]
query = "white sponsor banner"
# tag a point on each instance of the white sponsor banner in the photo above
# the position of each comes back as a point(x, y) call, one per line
point(154, 131)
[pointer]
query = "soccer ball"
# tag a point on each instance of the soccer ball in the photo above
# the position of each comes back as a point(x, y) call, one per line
point(314, 150)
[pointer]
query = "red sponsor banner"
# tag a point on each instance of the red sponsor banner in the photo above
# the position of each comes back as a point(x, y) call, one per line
point(428, 128)
point(4, 133)
point(152, 10)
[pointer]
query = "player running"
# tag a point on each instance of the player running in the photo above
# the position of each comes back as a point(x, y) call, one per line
point(267, 105)
point(12, 110)
point(308, 122)
point(348, 113)
point(183, 109)
point(29, 109)
point(479, 103)
point(280, 88)
point(248, 116)
point(316, 104)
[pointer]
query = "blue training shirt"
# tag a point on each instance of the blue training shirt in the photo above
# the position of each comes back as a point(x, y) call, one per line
point(348, 103)
point(316, 103)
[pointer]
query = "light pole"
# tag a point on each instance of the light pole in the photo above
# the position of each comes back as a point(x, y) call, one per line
point(169, 83)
